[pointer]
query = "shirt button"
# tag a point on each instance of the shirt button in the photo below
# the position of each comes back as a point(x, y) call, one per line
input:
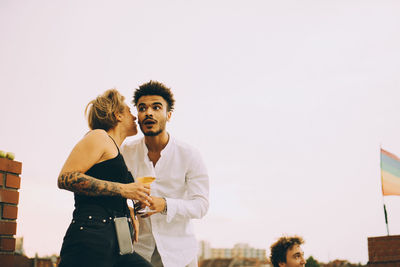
point(73, 221)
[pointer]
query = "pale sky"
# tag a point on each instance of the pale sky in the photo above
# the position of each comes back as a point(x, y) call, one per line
point(288, 102)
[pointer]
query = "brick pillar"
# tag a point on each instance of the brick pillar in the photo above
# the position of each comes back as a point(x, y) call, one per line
point(9, 196)
point(384, 251)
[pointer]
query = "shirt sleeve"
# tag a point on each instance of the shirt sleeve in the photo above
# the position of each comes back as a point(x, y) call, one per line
point(195, 206)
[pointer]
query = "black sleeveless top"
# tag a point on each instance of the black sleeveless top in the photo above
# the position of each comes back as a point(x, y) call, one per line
point(113, 170)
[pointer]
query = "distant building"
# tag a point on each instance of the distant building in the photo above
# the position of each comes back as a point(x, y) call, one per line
point(19, 246)
point(245, 251)
point(24, 261)
point(221, 253)
point(238, 251)
point(384, 251)
point(234, 263)
point(204, 250)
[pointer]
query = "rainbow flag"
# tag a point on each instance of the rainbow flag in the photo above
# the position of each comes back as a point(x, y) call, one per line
point(390, 173)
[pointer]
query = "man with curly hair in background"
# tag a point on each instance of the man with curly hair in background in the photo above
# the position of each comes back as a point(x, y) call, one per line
point(287, 252)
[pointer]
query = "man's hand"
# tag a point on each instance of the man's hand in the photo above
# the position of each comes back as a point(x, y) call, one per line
point(158, 205)
point(138, 207)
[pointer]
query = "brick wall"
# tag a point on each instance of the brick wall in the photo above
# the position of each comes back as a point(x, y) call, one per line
point(384, 251)
point(9, 184)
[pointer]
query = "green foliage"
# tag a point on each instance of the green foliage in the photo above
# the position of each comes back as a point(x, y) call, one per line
point(311, 262)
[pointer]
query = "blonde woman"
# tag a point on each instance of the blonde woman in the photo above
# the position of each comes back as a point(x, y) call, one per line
point(96, 172)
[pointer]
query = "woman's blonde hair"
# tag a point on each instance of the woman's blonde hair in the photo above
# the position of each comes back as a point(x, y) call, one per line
point(100, 112)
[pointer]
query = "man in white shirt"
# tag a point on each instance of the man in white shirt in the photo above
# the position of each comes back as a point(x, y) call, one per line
point(180, 190)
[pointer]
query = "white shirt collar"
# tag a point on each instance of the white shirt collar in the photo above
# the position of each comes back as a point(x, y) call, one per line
point(167, 149)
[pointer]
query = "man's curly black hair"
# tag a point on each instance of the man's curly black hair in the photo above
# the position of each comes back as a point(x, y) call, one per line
point(155, 88)
point(280, 248)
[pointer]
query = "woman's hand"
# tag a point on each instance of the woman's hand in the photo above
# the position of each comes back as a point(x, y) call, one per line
point(135, 223)
point(137, 191)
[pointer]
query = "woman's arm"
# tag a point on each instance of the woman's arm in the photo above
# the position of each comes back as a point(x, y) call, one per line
point(87, 185)
point(89, 151)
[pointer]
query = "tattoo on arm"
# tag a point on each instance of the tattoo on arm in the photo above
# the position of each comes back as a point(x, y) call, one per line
point(83, 184)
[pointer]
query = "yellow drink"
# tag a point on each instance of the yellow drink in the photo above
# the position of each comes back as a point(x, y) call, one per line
point(146, 180)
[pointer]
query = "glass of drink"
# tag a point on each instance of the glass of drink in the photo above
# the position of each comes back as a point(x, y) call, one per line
point(146, 178)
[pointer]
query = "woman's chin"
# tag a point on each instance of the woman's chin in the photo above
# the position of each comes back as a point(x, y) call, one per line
point(132, 133)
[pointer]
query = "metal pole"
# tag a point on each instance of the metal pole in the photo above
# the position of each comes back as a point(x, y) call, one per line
point(383, 200)
point(386, 220)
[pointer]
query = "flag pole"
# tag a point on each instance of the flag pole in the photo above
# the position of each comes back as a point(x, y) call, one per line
point(386, 220)
point(383, 199)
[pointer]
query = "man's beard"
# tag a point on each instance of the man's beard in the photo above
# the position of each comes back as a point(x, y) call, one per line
point(151, 133)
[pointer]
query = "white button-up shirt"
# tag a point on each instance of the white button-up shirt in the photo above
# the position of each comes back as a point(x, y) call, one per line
point(182, 179)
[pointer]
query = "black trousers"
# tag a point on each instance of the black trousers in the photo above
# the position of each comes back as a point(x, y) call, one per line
point(91, 241)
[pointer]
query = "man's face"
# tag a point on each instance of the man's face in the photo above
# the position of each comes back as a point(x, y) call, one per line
point(152, 114)
point(294, 257)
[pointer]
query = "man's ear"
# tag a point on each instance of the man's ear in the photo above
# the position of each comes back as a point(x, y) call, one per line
point(282, 264)
point(169, 114)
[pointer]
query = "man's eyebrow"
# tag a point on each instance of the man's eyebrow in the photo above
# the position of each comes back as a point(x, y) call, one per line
point(153, 104)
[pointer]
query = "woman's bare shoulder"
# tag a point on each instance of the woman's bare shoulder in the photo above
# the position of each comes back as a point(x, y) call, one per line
point(96, 134)
point(95, 137)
